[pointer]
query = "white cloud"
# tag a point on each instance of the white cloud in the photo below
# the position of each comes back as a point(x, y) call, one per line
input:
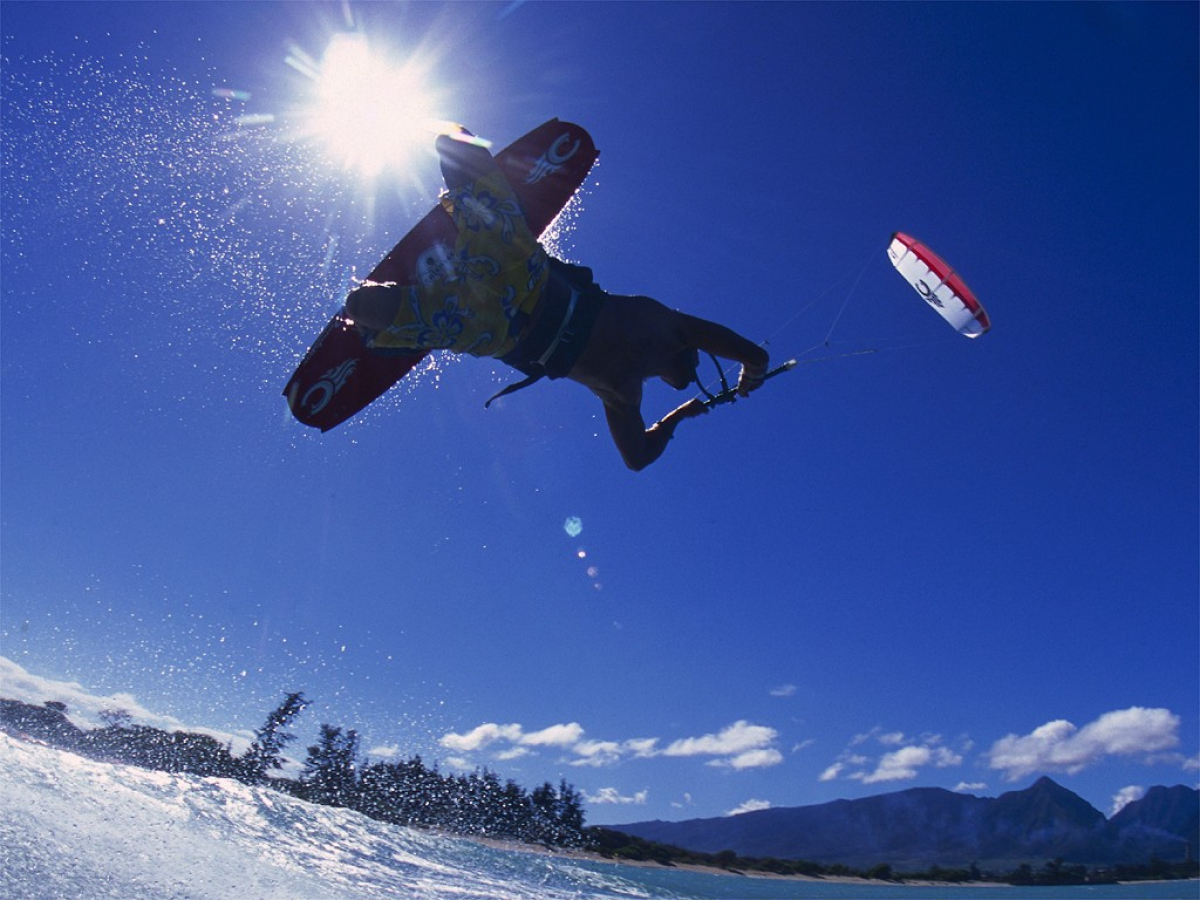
point(944, 758)
point(84, 708)
point(554, 736)
point(612, 795)
point(385, 751)
point(1124, 797)
point(642, 747)
point(750, 806)
point(597, 753)
point(784, 690)
point(1061, 746)
point(901, 764)
point(480, 736)
point(740, 745)
point(904, 764)
point(863, 738)
point(878, 735)
point(754, 759)
point(970, 787)
point(520, 741)
point(607, 753)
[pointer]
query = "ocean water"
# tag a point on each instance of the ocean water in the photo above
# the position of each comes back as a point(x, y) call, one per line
point(73, 828)
point(659, 883)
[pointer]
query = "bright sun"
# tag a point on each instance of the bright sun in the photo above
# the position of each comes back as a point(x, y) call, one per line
point(368, 112)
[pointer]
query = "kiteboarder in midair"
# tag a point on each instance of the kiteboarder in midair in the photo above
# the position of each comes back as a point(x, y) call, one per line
point(503, 296)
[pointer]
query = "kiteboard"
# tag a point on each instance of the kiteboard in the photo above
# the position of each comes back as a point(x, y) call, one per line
point(340, 375)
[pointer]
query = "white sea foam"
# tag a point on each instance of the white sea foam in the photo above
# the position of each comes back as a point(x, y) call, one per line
point(72, 827)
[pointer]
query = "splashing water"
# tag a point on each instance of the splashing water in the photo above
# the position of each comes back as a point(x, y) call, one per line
point(177, 228)
point(138, 833)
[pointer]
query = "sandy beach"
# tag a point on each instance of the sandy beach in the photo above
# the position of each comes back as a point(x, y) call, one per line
point(561, 853)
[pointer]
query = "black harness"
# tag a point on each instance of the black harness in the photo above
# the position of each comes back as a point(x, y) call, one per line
point(555, 336)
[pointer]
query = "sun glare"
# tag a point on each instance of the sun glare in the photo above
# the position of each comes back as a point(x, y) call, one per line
point(369, 113)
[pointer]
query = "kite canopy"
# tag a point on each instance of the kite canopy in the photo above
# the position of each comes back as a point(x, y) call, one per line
point(939, 285)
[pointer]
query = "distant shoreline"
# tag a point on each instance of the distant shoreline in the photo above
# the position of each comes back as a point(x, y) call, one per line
point(588, 856)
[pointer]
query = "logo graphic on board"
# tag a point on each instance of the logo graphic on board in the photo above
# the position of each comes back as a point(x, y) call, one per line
point(434, 265)
point(553, 159)
point(317, 397)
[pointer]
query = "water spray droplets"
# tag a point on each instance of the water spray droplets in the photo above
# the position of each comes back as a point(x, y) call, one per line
point(173, 211)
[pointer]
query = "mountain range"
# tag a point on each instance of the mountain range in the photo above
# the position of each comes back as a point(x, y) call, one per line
point(923, 827)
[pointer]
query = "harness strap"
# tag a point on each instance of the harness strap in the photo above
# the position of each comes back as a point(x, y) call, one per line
point(544, 359)
point(516, 386)
point(537, 369)
point(559, 328)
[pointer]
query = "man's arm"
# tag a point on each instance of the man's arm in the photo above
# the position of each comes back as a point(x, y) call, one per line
point(638, 445)
point(727, 344)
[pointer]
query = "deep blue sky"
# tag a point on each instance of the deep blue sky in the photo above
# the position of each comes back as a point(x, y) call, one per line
point(907, 568)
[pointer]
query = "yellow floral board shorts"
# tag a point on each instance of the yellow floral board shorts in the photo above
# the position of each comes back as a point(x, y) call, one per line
point(475, 297)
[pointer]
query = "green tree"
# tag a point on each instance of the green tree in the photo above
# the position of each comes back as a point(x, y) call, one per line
point(331, 770)
point(266, 752)
point(881, 872)
point(1022, 874)
point(116, 718)
point(543, 824)
point(570, 815)
point(725, 858)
